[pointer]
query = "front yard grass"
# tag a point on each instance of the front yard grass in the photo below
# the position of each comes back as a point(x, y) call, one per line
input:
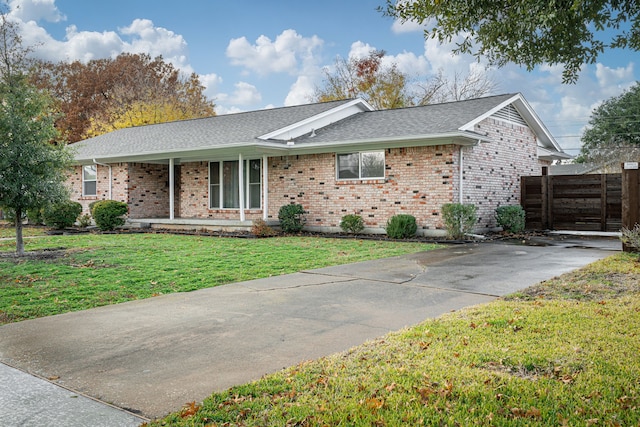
point(563, 353)
point(78, 272)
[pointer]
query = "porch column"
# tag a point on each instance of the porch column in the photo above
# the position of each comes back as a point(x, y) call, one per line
point(171, 187)
point(265, 187)
point(241, 185)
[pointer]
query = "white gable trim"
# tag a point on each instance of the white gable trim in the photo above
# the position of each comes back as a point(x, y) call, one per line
point(544, 137)
point(307, 126)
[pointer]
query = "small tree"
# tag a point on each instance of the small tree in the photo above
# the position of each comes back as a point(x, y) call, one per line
point(32, 169)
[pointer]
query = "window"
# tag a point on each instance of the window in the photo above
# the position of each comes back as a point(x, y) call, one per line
point(89, 180)
point(224, 184)
point(364, 165)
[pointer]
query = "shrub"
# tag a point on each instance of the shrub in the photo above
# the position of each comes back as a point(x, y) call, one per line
point(401, 226)
point(261, 229)
point(352, 223)
point(92, 205)
point(84, 221)
point(108, 214)
point(511, 218)
point(459, 219)
point(631, 237)
point(61, 215)
point(291, 218)
point(35, 216)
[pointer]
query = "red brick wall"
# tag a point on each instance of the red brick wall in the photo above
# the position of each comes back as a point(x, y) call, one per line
point(118, 191)
point(492, 170)
point(418, 181)
point(194, 195)
point(148, 190)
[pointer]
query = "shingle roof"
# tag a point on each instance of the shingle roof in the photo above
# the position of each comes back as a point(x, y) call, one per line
point(242, 130)
point(426, 120)
point(198, 133)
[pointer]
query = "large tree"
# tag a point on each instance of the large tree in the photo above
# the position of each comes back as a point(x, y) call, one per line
point(96, 94)
point(383, 88)
point(386, 87)
point(528, 32)
point(613, 133)
point(32, 168)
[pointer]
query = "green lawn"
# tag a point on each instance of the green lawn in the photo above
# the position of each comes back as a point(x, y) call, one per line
point(564, 353)
point(90, 270)
point(9, 231)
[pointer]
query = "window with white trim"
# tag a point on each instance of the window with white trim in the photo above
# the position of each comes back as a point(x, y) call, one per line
point(362, 165)
point(89, 180)
point(224, 184)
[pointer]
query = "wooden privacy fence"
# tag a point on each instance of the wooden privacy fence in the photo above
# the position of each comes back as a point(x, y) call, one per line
point(573, 202)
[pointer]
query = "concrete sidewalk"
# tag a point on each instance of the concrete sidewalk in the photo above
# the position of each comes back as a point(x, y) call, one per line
point(153, 356)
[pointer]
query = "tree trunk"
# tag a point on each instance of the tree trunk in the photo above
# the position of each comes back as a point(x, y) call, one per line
point(19, 240)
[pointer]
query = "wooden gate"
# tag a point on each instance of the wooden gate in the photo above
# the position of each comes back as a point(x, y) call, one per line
point(573, 202)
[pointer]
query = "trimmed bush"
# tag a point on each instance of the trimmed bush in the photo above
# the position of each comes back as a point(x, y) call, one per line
point(352, 223)
point(108, 214)
point(511, 218)
point(291, 218)
point(459, 219)
point(401, 226)
point(61, 215)
point(631, 237)
point(261, 229)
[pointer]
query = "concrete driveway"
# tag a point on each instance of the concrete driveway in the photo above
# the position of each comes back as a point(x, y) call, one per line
point(153, 356)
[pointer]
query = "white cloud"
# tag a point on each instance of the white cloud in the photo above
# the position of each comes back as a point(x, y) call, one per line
point(35, 10)
point(244, 94)
point(613, 81)
point(301, 91)
point(147, 38)
point(284, 55)
point(399, 27)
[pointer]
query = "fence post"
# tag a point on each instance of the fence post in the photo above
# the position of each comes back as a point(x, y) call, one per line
point(630, 197)
point(544, 198)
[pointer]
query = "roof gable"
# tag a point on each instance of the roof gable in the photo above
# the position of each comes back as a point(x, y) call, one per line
point(527, 114)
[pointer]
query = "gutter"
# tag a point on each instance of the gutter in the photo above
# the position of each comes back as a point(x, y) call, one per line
point(110, 175)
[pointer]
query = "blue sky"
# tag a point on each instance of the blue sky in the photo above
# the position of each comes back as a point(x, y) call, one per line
point(254, 54)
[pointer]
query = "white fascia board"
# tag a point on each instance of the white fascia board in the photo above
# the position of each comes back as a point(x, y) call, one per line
point(196, 154)
point(528, 114)
point(456, 138)
point(279, 148)
point(319, 120)
point(546, 154)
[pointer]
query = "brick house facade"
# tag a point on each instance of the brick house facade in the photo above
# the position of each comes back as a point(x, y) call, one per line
point(480, 164)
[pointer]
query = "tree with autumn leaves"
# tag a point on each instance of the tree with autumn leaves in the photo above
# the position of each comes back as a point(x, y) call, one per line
point(130, 90)
point(384, 86)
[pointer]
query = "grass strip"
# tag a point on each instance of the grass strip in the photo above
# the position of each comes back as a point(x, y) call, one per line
point(563, 354)
point(78, 272)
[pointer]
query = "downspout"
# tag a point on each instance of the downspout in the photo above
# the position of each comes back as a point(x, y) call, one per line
point(171, 187)
point(460, 185)
point(110, 176)
point(265, 187)
point(241, 186)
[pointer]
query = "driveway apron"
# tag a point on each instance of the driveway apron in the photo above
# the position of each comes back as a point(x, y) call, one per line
point(152, 356)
